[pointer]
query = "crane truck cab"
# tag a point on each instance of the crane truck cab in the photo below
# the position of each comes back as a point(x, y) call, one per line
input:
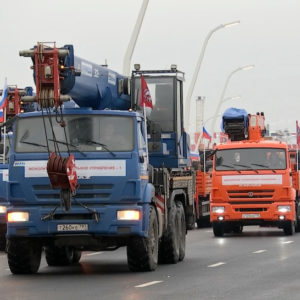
point(126, 194)
point(251, 181)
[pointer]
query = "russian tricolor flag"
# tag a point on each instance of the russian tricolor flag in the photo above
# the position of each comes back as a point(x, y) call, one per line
point(4, 95)
point(3, 100)
point(206, 135)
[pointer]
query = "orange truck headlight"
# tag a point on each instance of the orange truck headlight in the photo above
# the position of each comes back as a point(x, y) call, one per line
point(128, 215)
point(284, 208)
point(3, 209)
point(218, 209)
point(17, 216)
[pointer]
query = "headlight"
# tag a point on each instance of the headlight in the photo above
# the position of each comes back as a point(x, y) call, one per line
point(284, 208)
point(218, 209)
point(17, 216)
point(128, 215)
point(3, 209)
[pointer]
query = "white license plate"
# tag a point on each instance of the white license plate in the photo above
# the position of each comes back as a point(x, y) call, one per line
point(250, 216)
point(72, 227)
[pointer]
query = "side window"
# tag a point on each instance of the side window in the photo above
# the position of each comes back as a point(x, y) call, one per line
point(141, 137)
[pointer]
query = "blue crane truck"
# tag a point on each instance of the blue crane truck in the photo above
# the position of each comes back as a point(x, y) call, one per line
point(134, 185)
point(12, 107)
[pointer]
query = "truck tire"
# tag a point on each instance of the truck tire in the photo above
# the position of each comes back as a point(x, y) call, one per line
point(297, 222)
point(24, 256)
point(289, 228)
point(218, 229)
point(142, 253)
point(2, 243)
point(169, 246)
point(76, 256)
point(238, 229)
point(181, 217)
point(63, 256)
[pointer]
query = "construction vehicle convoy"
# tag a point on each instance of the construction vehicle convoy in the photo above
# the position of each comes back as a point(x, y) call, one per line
point(12, 106)
point(251, 180)
point(121, 192)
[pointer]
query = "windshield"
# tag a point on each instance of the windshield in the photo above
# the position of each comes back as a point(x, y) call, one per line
point(250, 159)
point(162, 94)
point(84, 133)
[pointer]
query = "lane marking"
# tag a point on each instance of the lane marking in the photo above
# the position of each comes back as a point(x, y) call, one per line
point(217, 264)
point(7, 269)
point(259, 251)
point(94, 253)
point(287, 242)
point(148, 284)
point(209, 231)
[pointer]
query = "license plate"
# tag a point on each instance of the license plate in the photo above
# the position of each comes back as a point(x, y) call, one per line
point(72, 227)
point(250, 216)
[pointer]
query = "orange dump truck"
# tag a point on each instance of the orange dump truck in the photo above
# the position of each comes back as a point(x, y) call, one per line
point(251, 179)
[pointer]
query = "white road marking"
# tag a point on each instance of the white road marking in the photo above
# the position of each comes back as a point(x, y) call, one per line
point(217, 264)
point(147, 284)
point(287, 242)
point(209, 231)
point(7, 269)
point(259, 251)
point(94, 253)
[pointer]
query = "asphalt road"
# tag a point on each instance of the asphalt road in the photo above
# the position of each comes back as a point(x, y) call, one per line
point(261, 263)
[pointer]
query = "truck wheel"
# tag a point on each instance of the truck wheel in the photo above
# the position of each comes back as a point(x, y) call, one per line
point(76, 256)
point(289, 228)
point(182, 232)
point(297, 223)
point(169, 245)
point(218, 229)
point(238, 229)
point(142, 253)
point(56, 256)
point(24, 256)
point(2, 243)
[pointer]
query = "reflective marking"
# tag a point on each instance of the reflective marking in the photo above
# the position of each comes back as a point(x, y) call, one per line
point(94, 253)
point(287, 242)
point(259, 251)
point(147, 284)
point(217, 264)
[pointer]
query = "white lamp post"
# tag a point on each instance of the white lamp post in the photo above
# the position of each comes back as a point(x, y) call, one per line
point(134, 36)
point(197, 68)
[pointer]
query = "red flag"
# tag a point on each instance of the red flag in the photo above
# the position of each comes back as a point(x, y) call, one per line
point(146, 99)
point(298, 133)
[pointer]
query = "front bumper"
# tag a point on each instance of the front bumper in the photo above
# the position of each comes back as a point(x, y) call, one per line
point(106, 225)
point(253, 213)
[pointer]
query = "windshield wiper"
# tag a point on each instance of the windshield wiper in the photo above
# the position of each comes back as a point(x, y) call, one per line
point(102, 145)
point(229, 166)
point(33, 144)
point(68, 144)
point(264, 166)
point(246, 166)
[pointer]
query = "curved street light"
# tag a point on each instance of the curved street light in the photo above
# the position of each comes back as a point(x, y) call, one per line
point(244, 68)
point(197, 68)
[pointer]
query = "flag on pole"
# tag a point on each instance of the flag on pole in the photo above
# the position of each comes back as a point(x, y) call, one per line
point(4, 95)
point(1, 116)
point(146, 99)
point(298, 133)
point(206, 135)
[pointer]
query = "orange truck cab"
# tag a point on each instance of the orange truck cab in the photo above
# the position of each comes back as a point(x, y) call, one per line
point(251, 179)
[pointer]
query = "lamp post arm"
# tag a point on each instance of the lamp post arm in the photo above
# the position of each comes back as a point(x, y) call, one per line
point(134, 36)
point(195, 75)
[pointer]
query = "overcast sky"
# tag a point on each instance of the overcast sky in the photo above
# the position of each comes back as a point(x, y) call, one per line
point(173, 32)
